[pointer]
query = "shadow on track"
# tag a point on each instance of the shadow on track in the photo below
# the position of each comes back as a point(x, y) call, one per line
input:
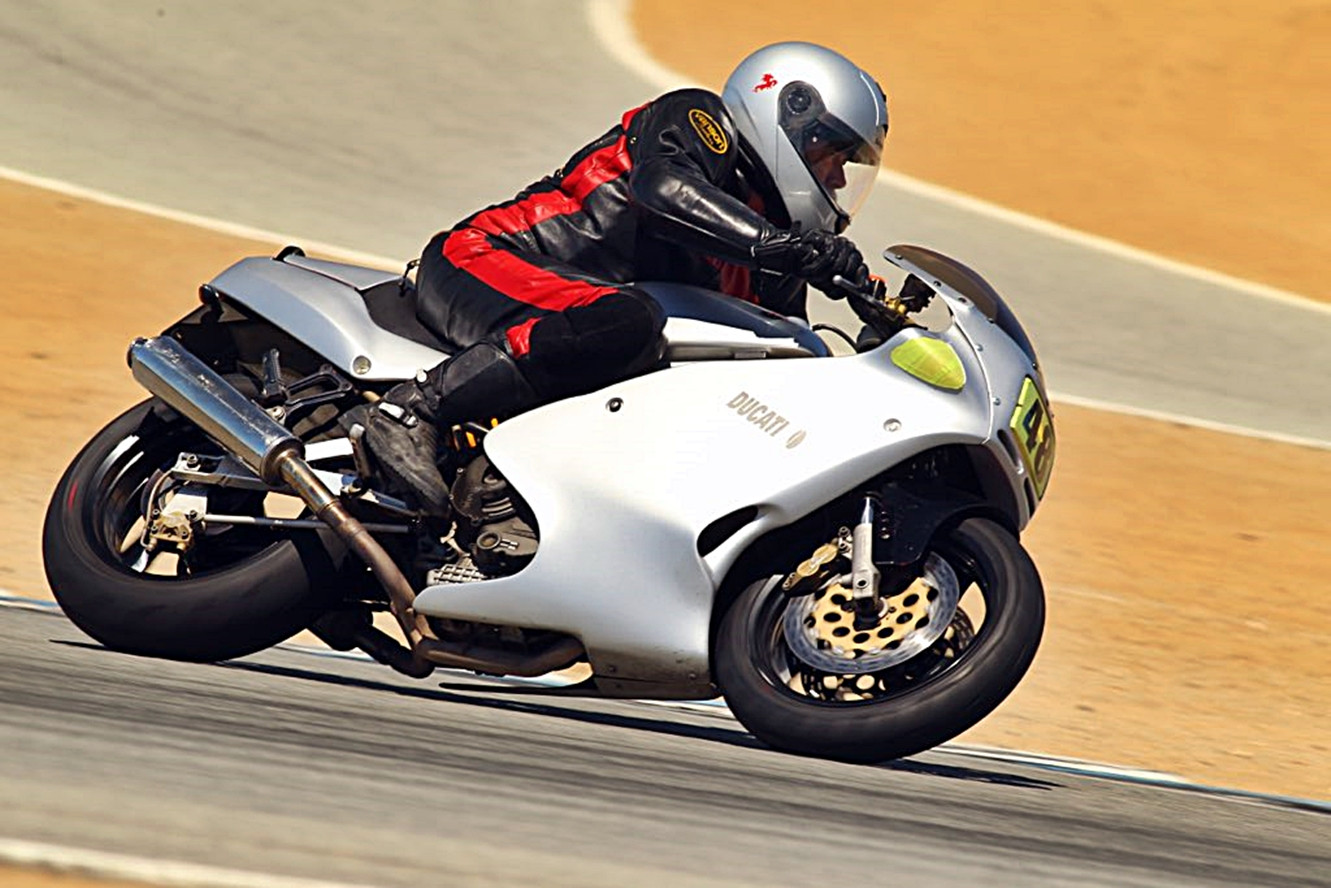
point(728, 736)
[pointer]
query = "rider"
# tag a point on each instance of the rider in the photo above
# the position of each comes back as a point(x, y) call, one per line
point(746, 193)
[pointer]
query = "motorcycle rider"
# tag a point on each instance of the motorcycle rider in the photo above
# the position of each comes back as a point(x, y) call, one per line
point(746, 193)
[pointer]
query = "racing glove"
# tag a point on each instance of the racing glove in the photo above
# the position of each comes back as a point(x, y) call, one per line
point(815, 256)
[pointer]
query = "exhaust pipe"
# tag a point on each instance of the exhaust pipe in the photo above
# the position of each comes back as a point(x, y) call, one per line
point(165, 368)
point(170, 372)
point(192, 388)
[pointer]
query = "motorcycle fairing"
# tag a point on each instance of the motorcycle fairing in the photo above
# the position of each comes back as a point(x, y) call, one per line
point(988, 326)
point(961, 284)
point(623, 481)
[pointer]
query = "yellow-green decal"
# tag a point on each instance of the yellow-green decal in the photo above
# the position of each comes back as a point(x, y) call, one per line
point(931, 360)
point(1033, 427)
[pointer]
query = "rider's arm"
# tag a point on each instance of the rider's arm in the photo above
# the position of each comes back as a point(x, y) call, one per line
point(684, 150)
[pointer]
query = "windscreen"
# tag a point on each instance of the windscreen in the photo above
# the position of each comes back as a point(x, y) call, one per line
point(970, 284)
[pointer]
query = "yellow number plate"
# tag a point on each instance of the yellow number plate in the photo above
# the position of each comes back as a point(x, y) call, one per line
point(1033, 428)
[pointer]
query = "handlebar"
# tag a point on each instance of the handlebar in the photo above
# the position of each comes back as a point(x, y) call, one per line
point(883, 314)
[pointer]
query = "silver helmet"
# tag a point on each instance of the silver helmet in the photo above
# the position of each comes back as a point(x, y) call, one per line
point(816, 122)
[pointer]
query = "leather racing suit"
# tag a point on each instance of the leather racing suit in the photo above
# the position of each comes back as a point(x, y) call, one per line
point(667, 194)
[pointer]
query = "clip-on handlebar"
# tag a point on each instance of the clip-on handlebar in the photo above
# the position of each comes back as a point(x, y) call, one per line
point(884, 315)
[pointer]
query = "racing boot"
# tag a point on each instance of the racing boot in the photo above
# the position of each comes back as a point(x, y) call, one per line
point(401, 436)
point(402, 429)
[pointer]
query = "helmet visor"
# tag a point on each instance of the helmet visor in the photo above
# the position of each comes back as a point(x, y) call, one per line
point(839, 159)
point(842, 163)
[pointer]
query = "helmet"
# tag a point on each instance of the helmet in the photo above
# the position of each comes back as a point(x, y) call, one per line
point(816, 122)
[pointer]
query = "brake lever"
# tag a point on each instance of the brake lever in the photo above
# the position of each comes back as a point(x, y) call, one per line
point(915, 294)
point(870, 306)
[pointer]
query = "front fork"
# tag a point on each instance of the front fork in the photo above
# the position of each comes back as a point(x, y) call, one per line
point(864, 574)
point(857, 545)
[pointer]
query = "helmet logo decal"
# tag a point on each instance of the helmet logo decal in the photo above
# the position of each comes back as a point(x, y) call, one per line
point(709, 131)
point(768, 82)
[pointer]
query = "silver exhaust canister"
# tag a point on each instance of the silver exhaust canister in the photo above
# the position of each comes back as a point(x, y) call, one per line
point(192, 388)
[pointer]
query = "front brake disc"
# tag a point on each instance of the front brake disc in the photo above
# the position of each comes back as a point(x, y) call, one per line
point(820, 627)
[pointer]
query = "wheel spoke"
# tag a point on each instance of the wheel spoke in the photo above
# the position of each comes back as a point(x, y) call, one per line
point(133, 536)
point(140, 562)
point(126, 483)
point(164, 564)
point(809, 659)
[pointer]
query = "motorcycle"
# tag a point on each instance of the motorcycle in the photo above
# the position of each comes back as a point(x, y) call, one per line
point(830, 543)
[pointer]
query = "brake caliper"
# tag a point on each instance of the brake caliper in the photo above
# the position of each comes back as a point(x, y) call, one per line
point(814, 571)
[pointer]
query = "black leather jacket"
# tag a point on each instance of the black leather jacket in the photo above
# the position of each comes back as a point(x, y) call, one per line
point(668, 194)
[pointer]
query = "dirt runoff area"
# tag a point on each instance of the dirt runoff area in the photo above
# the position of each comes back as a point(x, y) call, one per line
point(1198, 129)
point(25, 877)
point(1187, 630)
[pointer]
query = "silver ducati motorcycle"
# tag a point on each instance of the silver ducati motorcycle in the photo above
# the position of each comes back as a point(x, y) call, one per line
point(831, 543)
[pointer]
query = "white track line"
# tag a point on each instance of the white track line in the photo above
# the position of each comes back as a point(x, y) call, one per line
point(104, 865)
point(1191, 421)
point(343, 254)
point(208, 223)
point(609, 21)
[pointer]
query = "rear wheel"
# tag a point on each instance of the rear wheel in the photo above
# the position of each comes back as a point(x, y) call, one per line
point(236, 591)
point(947, 649)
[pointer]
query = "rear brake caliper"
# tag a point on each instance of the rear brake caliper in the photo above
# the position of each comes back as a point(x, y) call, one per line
point(175, 511)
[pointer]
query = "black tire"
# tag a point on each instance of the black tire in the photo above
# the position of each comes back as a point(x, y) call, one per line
point(256, 593)
point(949, 700)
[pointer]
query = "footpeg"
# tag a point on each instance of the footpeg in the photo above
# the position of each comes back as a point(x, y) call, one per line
point(359, 455)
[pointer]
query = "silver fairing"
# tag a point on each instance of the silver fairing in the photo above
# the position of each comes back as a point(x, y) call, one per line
point(321, 304)
point(623, 499)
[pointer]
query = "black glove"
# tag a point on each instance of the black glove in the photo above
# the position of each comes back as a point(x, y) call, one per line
point(816, 256)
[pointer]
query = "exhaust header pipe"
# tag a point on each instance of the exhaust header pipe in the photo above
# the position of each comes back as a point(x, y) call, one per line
point(165, 368)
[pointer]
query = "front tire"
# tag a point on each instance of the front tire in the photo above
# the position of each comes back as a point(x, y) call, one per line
point(928, 700)
point(255, 592)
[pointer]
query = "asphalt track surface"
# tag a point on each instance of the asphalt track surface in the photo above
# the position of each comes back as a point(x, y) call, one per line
point(373, 130)
point(337, 769)
point(372, 133)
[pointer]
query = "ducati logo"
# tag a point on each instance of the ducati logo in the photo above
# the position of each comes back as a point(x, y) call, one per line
point(764, 417)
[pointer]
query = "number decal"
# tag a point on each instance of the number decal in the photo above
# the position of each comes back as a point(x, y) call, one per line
point(1033, 428)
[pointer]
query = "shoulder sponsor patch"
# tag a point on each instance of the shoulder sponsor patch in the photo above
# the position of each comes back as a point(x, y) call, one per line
point(709, 131)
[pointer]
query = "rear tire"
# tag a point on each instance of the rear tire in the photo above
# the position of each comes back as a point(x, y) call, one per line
point(271, 590)
point(752, 663)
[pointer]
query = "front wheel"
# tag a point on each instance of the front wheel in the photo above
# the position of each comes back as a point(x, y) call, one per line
point(236, 592)
point(949, 648)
